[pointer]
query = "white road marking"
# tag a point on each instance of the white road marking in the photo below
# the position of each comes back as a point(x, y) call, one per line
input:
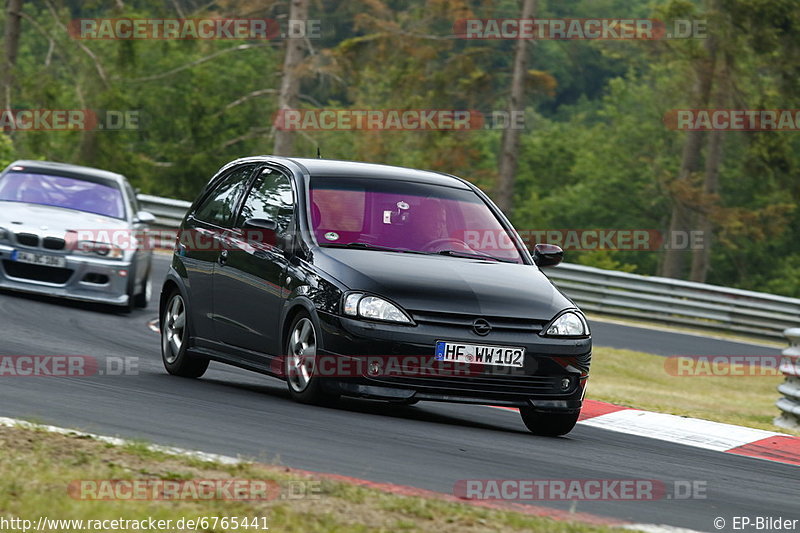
point(690, 431)
point(658, 528)
point(116, 441)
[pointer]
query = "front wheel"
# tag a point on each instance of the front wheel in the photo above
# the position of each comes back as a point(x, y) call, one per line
point(548, 424)
point(143, 298)
point(301, 360)
point(175, 339)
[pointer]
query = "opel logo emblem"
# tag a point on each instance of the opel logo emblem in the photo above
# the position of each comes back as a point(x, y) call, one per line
point(481, 327)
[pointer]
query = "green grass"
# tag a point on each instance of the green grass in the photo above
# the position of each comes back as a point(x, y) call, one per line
point(640, 380)
point(36, 468)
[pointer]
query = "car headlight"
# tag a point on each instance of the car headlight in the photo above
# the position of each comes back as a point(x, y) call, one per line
point(568, 324)
point(373, 308)
point(3, 234)
point(100, 249)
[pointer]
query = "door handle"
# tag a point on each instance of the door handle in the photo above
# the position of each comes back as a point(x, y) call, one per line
point(223, 257)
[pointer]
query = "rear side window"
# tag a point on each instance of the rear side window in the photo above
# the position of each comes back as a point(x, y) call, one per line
point(219, 205)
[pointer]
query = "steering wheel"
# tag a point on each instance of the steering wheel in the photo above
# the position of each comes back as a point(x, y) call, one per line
point(434, 246)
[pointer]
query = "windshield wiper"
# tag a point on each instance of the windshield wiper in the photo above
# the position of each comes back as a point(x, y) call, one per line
point(368, 246)
point(472, 255)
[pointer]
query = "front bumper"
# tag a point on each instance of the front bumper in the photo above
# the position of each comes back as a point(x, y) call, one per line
point(538, 384)
point(84, 278)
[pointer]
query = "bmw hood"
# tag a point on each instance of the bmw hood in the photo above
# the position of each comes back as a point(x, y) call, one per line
point(43, 220)
point(447, 284)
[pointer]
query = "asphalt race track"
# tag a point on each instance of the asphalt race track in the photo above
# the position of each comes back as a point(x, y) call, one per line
point(430, 445)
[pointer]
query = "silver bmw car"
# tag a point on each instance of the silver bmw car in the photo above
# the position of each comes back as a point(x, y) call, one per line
point(73, 232)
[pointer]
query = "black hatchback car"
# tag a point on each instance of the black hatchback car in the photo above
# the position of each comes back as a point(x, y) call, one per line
point(372, 281)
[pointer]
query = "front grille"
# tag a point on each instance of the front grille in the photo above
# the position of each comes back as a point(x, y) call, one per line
point(500, 387)
point(37, 272)
point(28, 239)
point(54, 243)
point(465, 321)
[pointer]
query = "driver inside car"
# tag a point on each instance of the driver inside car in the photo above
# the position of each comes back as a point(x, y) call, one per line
point(429, 223)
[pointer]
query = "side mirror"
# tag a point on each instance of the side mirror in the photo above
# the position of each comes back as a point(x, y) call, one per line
point(260, 223)
point(145, 217)
point(261, 230)
point(545, 255)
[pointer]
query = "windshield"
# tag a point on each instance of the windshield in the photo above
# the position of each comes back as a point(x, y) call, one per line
point(407, 216)
point(61, 191)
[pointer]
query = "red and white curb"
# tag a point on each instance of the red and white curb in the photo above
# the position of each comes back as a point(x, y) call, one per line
point(400, 490)
point(695, 432)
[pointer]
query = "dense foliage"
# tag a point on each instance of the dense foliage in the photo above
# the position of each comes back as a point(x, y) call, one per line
point(595, 152)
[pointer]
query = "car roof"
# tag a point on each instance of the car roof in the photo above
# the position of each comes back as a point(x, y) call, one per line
point(332, 168)
point(66, 169)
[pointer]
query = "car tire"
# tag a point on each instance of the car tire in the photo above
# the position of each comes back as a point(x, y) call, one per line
point(548, 424)
point(142, 299)
point(299, 361)
point(174, 322)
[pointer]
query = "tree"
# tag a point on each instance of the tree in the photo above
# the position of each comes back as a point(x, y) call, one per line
point(290, 80)
point(12, 32)
point(509, 146)
point(682, 191)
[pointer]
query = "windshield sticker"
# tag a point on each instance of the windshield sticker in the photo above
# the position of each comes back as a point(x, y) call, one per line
point(332, 236)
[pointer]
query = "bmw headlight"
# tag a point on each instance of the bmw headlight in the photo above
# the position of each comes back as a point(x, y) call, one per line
point(568, 324)
point(373, 308)
point(99, 249)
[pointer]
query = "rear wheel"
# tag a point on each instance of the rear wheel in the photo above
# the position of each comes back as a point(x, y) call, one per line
point(300, 363)
point(548, 424)
point(174, 340)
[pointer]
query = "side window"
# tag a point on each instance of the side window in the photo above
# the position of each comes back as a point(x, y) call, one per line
point(271, 198)
point(219, 206)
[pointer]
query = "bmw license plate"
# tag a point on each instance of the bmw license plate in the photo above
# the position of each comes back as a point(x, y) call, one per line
point(38, 259)
point(480, 354)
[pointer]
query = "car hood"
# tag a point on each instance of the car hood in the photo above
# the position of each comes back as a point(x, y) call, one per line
point(447, 284)
point(43, 220)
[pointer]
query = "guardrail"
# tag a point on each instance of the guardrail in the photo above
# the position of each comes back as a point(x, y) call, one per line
point(790, 366)
point(676, 301)
point(169, 213)
point(623, 294)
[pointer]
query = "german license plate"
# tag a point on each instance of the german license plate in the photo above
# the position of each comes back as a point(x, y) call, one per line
point(512, 356)
point(38, 259)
